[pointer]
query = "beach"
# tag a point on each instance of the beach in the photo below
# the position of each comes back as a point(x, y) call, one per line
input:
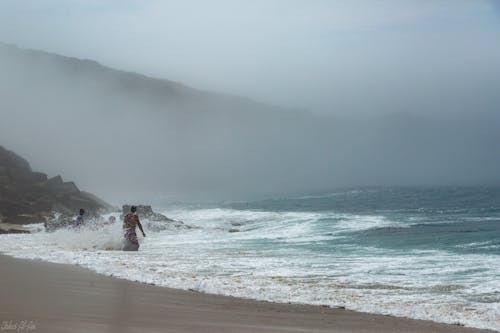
point(47, 297)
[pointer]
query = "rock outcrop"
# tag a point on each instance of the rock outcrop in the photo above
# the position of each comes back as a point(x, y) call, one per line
point(147, 212)
point(155, 221)
point(31, 197)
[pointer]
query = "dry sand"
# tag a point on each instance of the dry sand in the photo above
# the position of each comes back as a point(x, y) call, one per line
point(45, 297)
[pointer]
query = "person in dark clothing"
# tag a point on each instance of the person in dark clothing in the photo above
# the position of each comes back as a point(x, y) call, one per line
point(79, 219)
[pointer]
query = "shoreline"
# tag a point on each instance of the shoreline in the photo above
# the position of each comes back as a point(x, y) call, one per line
point(50, 297)
point(9, 228)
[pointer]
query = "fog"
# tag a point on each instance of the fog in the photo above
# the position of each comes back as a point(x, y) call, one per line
point(316, 55)
point(345, 93)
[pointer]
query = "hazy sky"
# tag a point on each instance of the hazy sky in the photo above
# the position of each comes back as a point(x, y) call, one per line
point(421, 77)
point(330, 56)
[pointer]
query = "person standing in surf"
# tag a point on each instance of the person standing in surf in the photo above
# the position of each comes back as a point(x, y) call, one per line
point(130, 222)
point(79, 218)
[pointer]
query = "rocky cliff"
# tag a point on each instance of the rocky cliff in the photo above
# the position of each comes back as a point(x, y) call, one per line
point(30, 197)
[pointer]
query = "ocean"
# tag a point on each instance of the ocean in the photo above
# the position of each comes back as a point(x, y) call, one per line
point(419, 252)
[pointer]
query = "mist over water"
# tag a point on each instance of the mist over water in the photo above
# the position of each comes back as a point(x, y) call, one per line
point(128, 137)
point(346, 94)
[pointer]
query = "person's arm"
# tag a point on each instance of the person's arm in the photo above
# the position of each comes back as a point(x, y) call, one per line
point(140, 227)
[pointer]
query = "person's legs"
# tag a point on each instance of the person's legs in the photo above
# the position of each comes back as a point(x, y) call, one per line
point(130, 243)
point(129, 246)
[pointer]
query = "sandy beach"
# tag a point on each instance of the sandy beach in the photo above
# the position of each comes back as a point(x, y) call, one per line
point(45, 297)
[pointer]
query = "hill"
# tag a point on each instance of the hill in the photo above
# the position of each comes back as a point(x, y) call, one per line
point(131, 137)
point(31, 197)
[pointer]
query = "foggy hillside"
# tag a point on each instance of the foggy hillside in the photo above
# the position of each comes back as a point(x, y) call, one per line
point(127, 136)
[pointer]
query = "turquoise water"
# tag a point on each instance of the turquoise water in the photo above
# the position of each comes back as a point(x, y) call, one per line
point(455, 219)
point(419, 252)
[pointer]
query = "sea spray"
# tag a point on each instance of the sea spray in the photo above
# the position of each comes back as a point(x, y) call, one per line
point(426, 259)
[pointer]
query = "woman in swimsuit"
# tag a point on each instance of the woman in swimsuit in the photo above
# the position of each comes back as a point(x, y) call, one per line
point(130, 222)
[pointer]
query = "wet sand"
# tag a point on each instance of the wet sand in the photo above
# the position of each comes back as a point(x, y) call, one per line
point(45, 297)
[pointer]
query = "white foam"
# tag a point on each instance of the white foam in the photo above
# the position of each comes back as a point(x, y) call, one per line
point(266, 260)
point(364, 222)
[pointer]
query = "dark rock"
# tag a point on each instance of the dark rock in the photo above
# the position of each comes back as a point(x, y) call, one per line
point(147, 212)
point(12, 161)
point(29, 197)
point(24, 219)
point(6, 228)
point(69, 187)
point(54, 181)
point(38, 177)
point(155, 221)
point(13, 231)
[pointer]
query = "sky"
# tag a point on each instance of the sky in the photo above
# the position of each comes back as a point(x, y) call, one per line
point(342, 57)
point(399, 93)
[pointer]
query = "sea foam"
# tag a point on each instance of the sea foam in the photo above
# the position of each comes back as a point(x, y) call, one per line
point(297, 257)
